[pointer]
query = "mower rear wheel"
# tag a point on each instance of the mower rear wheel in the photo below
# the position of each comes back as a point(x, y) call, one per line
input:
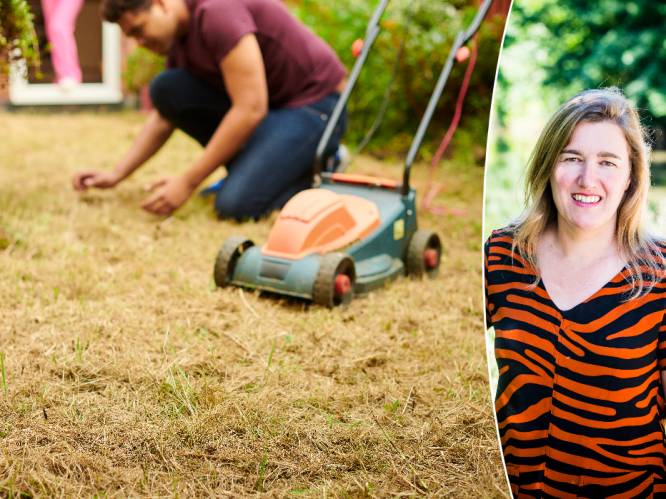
point(424, 254)
point(335, 280)
point(227, 257)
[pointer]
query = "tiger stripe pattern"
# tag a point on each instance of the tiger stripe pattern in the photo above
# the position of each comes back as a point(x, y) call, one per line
point(579, 398)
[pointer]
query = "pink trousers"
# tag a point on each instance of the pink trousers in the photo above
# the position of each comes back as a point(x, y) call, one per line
point(60, 18)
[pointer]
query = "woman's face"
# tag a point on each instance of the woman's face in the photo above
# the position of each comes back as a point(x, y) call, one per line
point(591, 176)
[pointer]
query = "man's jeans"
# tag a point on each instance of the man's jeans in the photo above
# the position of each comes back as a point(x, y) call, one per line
point(277, 160)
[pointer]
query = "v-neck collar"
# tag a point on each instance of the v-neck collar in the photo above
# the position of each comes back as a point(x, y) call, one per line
point(569, 311)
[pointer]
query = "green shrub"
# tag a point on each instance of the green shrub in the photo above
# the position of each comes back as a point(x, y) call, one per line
point(18, 40)
point(429, 29)
point(141, 67)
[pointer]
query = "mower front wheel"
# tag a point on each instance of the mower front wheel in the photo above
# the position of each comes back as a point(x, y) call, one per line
point(424, 254)
point(335, 280)
point(227, 257)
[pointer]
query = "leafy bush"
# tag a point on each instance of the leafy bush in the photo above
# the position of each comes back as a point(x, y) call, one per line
point(18, 40)
point(428, 29)
point(141, 67)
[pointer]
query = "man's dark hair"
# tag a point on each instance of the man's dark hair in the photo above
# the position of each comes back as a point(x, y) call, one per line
point(112, 10)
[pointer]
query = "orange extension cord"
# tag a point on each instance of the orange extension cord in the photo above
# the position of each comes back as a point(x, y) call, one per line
point(436, 187)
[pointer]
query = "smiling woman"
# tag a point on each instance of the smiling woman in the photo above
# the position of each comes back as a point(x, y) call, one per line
point(587, 183)
point(576, 292)
point(592, 172)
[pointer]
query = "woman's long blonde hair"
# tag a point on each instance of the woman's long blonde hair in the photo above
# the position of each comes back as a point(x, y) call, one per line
point(645, 261)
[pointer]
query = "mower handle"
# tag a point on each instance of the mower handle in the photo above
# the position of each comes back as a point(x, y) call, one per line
point(461, 38)
point(371, 34)
point(476, 22)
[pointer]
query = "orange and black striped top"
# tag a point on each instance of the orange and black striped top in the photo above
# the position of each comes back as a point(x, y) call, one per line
point(579, 398)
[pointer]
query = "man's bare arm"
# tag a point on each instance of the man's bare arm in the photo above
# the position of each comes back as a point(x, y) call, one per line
point(245, 82)
point(154, 133)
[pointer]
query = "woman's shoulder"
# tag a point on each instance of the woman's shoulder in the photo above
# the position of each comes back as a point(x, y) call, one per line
point(661, 244)
point(500, 245)
point(652, 258)
point(503, 262)
point(501, 237)
point(661, 247)
point(656, 248)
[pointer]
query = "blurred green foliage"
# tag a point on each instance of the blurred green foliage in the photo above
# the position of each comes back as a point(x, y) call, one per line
point(428, 29)
point(18, 40)
point(592, 44)
point(141, 66)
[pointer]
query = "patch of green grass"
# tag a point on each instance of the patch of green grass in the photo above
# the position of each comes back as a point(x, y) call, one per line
point(269, 361)
point(3, 374)
point(392, 407)
point(79, 348)
point(261, 473)
point(300, 492)
point(179, 390)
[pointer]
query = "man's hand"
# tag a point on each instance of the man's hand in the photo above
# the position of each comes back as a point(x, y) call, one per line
point(152, 136)
point(169, 194)
point(81, 181)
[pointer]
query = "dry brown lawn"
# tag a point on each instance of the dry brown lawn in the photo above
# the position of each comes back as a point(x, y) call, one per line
point(125, 373)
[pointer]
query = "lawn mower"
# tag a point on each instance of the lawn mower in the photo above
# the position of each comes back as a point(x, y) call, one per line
point(351, 233)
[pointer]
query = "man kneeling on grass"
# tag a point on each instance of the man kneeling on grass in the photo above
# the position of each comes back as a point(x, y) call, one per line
point(245, 79)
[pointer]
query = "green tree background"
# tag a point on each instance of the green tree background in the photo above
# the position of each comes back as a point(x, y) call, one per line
point(554, 49)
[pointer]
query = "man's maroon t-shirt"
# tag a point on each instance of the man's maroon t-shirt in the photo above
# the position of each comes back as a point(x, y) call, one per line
point(300, 67)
